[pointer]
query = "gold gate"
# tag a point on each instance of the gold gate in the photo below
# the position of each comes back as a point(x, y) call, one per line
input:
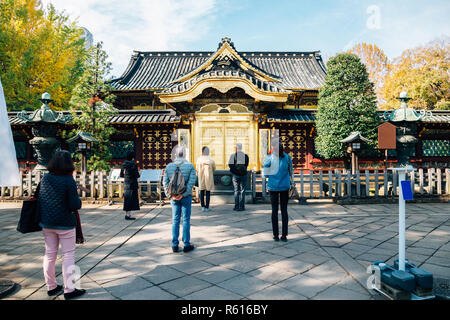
point(222, 131)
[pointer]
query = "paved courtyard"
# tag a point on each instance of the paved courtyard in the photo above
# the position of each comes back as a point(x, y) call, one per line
point(329, 248)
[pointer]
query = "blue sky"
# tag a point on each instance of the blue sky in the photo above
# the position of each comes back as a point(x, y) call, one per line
point(265, 25)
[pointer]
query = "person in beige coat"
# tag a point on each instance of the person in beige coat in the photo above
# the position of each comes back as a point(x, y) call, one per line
point(205, 172)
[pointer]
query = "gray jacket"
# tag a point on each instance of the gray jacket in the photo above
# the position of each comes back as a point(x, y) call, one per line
point(187, 170)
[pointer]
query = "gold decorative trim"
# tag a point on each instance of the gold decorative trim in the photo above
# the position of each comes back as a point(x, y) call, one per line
point(224, 85)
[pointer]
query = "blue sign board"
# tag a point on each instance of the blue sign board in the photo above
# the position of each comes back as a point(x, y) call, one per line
point(406, 190)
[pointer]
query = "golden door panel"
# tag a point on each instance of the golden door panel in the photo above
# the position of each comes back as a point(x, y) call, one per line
point(221, 137)
point(236, 133)
point(211, 136)
point(157, 148)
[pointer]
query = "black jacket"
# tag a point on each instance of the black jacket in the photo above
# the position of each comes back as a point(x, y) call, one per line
point(130, 172)
point(57, 200)
point(238, 159)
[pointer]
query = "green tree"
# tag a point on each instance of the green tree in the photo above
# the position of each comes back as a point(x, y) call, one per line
point(40, 50)
point(347, 103)
point(91, 106)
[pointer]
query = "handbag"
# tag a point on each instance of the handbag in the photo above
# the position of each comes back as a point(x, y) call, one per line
point(29, 215)
point(79, 239)
point(293, 193)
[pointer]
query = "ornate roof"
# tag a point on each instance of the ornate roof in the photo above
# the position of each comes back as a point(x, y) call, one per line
point(290, 115)
point(276, 115)
point(123, 117)
point(304, 115)
point(159, 71)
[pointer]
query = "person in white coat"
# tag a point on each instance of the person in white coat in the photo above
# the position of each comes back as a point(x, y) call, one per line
point(205, 172)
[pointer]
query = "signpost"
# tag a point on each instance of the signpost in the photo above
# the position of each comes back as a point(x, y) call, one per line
point(387, 139)
point(405, 193)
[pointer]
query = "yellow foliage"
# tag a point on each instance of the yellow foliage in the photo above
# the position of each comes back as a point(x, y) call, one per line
point(40, 51)
point(423, 72)
point(377, 64)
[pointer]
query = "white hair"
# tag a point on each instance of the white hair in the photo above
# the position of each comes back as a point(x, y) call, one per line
point(179, 152)
point(239, 146)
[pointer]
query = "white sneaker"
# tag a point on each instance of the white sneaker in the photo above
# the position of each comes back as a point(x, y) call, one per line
point(203, 209)
point(207, 209)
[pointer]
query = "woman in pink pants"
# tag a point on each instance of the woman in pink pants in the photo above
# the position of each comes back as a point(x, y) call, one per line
point(57, 201)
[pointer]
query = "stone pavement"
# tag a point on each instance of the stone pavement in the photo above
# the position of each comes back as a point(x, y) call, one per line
point(329, 248)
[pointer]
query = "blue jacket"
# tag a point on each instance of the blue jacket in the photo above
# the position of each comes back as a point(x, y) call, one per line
point(187, 170)
point(277, 169)
point(57, 200)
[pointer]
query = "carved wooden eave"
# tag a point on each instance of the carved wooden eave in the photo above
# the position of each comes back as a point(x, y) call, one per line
point(224, 84)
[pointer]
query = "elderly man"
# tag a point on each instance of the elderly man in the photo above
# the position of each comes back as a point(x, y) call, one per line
point(181, 203)
point(238, 164)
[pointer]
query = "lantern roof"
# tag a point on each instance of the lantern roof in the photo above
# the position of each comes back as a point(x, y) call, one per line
point(354, 136)
point(405, 113)
point(45, 114)
point(83, 136)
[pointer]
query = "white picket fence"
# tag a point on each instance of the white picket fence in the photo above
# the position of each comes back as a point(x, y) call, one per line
point(337, 183)
point(317, 184)
point(97, 182)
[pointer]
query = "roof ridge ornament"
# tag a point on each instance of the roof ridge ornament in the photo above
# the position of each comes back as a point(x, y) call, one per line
point(226, 40)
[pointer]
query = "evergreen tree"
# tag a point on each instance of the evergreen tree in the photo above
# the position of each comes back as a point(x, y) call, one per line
point(91, 106)
point(347, 103)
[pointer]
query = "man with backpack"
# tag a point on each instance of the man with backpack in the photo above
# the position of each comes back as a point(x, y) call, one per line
point(179, 179)
point(238, 164)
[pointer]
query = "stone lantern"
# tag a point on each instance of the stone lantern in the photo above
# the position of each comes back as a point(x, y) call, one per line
point(84, 141)
point(405, 119)
point(45, 127)
point(354, 142)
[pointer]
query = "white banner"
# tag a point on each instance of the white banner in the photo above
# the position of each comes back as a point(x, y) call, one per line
point(9, 170)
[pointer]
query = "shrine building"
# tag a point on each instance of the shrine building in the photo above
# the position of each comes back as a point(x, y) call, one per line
point(223, 97)
point(220, 98)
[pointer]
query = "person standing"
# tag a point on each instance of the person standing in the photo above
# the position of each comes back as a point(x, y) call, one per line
point(183, 172)
point(238, 164)
point(205, 169)
point(130, 172)
point(278, 167)
point(57, 201)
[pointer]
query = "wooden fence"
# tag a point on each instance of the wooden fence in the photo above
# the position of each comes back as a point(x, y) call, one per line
point(322, 184)
point(97, 182)
point(317, 184)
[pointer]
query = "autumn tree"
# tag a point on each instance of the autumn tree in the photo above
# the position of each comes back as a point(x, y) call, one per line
point(91, 106)
point(377, 64)
point(40, 50)
point(347, 103)
point(423, 72)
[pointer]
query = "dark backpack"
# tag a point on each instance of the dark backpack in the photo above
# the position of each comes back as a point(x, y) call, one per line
point(177, 184)
point(240, 168)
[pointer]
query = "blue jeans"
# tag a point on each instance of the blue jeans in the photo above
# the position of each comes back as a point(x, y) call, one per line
point(239, 183)
point(181, 208)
